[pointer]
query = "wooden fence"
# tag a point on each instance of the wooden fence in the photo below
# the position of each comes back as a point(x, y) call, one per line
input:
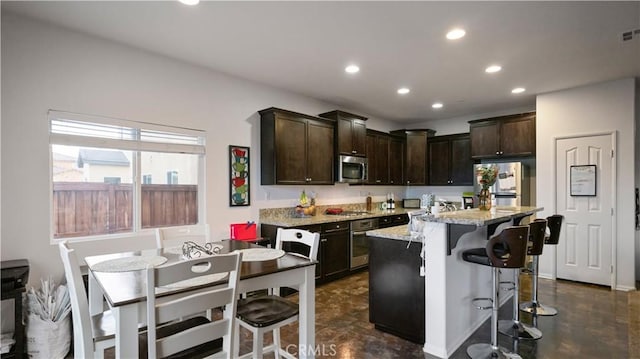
point(85, 208)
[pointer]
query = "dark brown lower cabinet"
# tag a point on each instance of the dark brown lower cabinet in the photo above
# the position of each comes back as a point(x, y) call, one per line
point(396, 289)
point(333, 252)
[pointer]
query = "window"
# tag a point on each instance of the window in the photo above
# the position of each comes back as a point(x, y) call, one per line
point(95, 162)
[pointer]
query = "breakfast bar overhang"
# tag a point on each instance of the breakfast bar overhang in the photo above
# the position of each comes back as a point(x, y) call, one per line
point(451, 283)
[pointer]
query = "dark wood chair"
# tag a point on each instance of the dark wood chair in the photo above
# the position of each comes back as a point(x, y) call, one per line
point(508, 249)
point(513, 327)
point(554, 223)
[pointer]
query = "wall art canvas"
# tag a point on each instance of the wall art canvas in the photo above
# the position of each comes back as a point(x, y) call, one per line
point(239, 176)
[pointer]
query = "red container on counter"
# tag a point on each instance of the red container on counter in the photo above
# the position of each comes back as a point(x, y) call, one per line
point(243, 231)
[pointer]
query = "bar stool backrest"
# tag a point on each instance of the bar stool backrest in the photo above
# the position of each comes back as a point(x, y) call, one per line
point(554, 222)
point(509, 248)
point(537, 231)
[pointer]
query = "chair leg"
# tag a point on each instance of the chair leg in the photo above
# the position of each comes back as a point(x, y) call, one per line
point(99, 354)
point(276, 343)
point(513, 327)
point(236, 339)
point(534, 307)
point(484, 350)
point(258, 344)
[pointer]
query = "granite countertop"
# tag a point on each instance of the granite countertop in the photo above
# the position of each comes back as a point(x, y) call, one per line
point(398, 232)
point(285, 219)
point(482, 218)
point(468, 216)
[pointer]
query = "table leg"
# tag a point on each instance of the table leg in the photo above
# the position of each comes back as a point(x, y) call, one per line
point(95, 296)
point(307, 319)
point(126, 331)
point(19, 327)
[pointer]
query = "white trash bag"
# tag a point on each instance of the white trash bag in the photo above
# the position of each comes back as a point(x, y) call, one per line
point(48, 323)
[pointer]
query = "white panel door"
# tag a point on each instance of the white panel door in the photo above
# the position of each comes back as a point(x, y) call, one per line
point(585, 246)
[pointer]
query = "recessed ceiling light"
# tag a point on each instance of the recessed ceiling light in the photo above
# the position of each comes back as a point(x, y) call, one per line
point(493, 68)
point(352, 69)
point(403, 91)
point(518, 90)
point(437, 105)
point(190, 2)
point(455, 34)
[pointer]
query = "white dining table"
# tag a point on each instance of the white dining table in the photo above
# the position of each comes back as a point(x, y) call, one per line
point(124, 292)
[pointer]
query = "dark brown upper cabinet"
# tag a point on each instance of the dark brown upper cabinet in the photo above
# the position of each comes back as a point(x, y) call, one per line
point(450, 162)
point(294, 147)
point(415, 155)
point(396, 160)
point(377, 152)
point(506, 136)
point(351, 132)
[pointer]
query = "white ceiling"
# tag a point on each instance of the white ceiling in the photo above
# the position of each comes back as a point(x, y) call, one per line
point(304, 46)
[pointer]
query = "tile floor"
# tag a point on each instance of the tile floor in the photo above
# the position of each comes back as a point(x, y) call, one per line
point(593, 322)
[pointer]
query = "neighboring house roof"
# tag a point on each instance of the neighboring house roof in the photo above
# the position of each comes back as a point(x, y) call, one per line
point(62, 158)
point(102, 157)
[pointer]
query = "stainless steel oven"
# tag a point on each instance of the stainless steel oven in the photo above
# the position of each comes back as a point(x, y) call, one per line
point(360, 242)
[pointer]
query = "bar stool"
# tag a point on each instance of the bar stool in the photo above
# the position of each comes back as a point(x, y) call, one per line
point(534, 307)
point(505, 250)
point(513, 327)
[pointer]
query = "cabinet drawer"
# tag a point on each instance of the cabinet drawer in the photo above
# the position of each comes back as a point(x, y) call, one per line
point(335, 227)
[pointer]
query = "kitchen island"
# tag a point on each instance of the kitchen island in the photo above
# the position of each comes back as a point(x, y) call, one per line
point(450, 283)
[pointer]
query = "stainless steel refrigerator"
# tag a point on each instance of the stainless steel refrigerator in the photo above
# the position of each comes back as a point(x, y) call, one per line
point(512, 185)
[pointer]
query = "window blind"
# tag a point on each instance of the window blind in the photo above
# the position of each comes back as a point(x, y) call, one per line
point(94, 131)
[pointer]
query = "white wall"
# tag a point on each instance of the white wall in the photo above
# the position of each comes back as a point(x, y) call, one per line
point(596, 108)
point(46, 67)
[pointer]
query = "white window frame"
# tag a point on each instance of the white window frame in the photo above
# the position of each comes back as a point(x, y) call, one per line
point(136, 146)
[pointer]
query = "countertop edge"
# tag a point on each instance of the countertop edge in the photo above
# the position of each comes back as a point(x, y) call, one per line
point(323, 218)
point(466, 216)
point(502, 215)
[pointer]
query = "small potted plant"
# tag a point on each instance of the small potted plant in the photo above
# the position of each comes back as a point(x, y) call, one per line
point(487, 176)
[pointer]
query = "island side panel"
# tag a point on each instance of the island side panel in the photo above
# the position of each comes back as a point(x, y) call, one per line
point(436, 289)
point(450, 286)
point(396, 290)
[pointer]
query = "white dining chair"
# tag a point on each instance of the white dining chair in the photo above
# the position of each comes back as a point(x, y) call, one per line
point(92, 334)
point(83, 249)
point(176, 236)
point(270, 312)
point(197, 336)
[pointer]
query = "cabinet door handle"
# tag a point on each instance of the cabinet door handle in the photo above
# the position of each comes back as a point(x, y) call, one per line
point(378, 181)
point(354, 151)
point(323, 240)
point(497, 152)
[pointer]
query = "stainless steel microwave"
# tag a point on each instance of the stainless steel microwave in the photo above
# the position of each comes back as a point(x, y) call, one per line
point(352, 169)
